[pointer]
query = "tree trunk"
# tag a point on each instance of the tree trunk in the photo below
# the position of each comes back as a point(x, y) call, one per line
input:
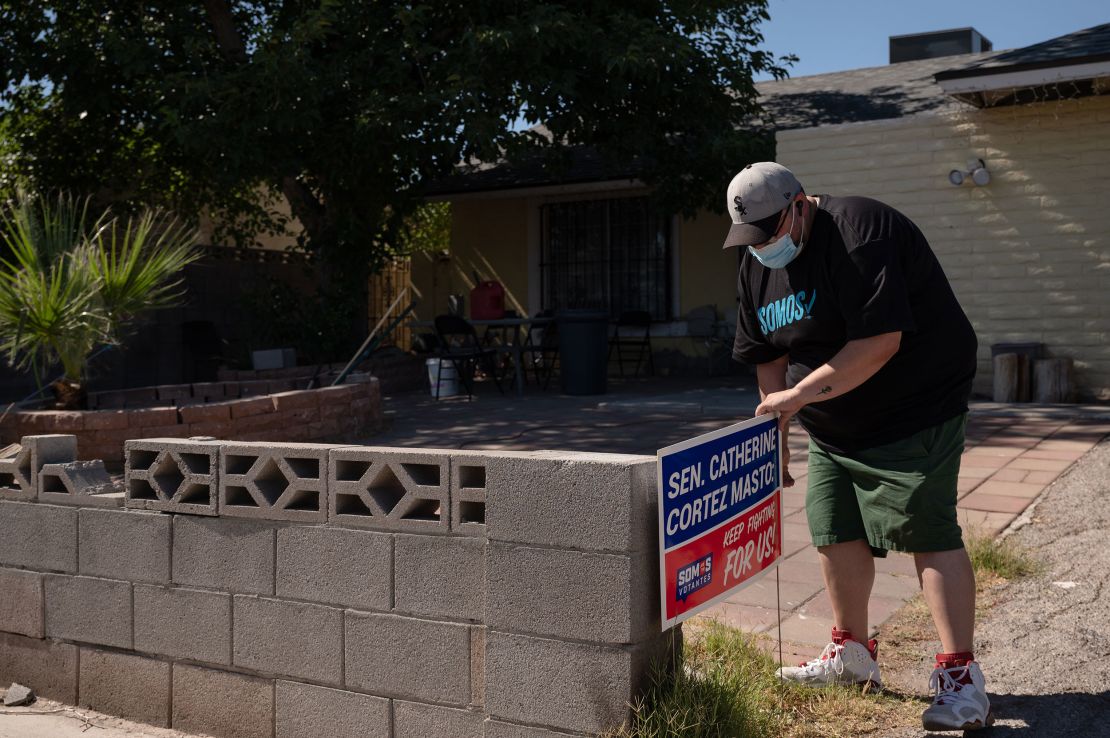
point(1007, 377)
point(1053, 380)
point(69, 395)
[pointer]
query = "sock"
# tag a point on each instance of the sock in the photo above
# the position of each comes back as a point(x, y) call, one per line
point(839, 636)
point(955, 661)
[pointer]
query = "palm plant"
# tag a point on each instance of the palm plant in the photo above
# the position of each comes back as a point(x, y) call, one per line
point(70, 282)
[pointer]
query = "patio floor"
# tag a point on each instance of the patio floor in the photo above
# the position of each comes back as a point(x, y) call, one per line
point(1014, 452)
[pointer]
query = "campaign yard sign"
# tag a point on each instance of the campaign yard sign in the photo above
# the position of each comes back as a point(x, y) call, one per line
point(720, 514)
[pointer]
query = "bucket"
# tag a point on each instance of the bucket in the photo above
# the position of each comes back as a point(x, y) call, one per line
point(444, 372)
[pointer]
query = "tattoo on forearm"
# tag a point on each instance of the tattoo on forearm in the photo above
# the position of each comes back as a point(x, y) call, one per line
point(825, 390)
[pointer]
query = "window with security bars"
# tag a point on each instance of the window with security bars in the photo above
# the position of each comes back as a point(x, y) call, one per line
point(612, 255)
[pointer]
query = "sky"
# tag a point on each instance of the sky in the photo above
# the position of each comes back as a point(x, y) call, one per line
point(836, 35)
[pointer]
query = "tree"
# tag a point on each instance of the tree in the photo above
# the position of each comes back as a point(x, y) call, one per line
point(70, 281)
point(349, 108)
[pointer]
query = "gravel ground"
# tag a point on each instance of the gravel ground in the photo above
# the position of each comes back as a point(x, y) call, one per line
point(1045, 642)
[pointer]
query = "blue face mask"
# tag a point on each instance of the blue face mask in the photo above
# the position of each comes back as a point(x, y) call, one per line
point(781, 252)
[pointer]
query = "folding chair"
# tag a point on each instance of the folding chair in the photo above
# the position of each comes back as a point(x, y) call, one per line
point(544, 354)
point(632, 336)
point(459, 344)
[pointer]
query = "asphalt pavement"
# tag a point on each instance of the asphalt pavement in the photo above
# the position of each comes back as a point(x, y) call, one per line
point(1045, 645)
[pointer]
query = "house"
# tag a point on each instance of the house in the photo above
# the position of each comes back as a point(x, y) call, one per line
point(1027, 252)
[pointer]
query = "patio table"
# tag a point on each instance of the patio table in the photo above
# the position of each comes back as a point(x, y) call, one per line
point(517, 327)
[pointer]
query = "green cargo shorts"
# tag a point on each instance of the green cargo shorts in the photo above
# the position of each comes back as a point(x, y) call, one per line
point(898, 497)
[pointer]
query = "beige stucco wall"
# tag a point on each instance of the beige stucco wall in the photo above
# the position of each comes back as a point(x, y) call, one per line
point(1028, 255)
point(490, 236)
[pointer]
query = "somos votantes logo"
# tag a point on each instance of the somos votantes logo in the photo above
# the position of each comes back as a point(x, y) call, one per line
point(693, 577)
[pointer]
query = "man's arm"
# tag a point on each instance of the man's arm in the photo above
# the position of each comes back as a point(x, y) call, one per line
point(771, 378)
point(853, 365)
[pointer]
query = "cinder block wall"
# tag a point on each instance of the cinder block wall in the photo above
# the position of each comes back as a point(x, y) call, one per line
point(1028, 254)
point(335, 413)
point(338, 591)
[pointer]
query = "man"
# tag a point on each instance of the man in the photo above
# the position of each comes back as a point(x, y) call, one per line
point(852, 326)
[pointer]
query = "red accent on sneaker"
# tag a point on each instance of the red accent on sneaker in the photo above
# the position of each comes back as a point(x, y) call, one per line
point(839, 636)
point(956, 661)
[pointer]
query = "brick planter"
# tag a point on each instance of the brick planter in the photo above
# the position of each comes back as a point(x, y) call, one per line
point(328, 414)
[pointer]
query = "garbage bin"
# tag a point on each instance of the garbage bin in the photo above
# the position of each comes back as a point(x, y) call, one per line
point(583, 351)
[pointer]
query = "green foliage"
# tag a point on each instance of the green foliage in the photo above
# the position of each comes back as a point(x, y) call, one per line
point(69, 281)
point(349, 109)
point(725, 687)
point(318, 326)
point(428, 228)
point(999, 557)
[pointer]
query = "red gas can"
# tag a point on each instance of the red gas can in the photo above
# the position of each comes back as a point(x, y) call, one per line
point(487, 301)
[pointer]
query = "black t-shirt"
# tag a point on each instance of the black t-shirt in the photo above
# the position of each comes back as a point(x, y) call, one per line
point(865, 269)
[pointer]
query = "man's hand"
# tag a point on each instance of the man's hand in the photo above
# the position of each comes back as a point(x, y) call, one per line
point(786, 403)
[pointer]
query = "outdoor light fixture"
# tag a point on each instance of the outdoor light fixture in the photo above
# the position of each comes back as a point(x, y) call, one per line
point(976, 169)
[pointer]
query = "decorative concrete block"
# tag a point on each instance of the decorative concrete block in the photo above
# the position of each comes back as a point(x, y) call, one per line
point(221, 703)
point(274, 481)
point(48, 667)
point(21, 602)
point(126, 545)
point(305, 711)
point(19, 471)
point(389, 489)
point(292, 639)
point(417, 720)
point(595, 502)
point(37, 536)
point(88, 610)
point(172, 475)
point(85, 483)
point(585, 596)
point(565, 686)
point(468, 495)
point(125, 685)
point(15, 473)
point(408, 658)
point(183, 623)
point(49, 449)
point(350, 568)
point(440, 576)
point(228, 555)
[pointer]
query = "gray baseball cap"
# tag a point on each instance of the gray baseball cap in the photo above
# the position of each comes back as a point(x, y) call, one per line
point(755, 200)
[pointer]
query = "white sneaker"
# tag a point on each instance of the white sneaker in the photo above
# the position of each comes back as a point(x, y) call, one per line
point(958, 706)
point(848, 662)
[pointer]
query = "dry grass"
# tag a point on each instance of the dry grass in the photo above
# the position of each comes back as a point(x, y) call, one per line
point(728, 687)
point(994, 559)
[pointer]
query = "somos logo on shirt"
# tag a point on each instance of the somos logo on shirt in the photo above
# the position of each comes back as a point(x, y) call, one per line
point(786, 310)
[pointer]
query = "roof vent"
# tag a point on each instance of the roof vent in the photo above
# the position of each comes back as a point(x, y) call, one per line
point(937, 43)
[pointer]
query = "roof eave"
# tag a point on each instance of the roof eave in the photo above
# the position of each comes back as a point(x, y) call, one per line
point(1005, 78)
point(985, 70)
point(582, 186)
